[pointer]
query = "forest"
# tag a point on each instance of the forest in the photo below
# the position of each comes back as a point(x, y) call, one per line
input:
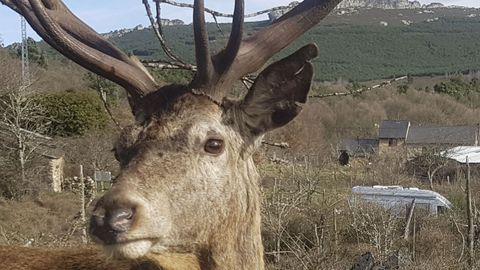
point(350, 51)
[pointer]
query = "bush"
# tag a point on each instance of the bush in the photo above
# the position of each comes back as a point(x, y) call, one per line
point(457, 87)
point(73, 113)
point(172, 76)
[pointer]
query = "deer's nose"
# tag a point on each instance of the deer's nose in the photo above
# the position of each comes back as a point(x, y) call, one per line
point(108, 224)
point(120, 220)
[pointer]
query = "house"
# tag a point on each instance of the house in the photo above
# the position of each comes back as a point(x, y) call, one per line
point(419, 136)
point(410, 140)
point(392, 133)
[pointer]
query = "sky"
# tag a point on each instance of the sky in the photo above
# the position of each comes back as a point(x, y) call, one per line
point(105, 16)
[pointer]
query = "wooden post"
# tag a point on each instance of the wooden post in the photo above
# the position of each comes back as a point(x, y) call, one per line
point(293, 170)
point(470, 237)
point(82, 209)
point(335, 174)
point(335, 236)
point(409, 219)
point(414, 237)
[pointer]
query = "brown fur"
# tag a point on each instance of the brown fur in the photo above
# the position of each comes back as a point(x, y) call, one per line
point(221, 217)
point(88, 258)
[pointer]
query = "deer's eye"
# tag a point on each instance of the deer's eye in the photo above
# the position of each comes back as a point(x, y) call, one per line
point(214, 146)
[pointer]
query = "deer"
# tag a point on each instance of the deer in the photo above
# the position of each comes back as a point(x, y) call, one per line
point(187, 195)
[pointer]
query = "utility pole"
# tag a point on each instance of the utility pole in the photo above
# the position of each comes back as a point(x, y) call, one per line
point(25, 60)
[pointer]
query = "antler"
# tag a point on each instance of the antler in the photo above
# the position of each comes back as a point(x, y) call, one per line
point(60, 28)
point(212, 69)
point(202, 53)
point(243, 57)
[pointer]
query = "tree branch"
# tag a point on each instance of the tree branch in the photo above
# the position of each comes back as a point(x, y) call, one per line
point(220, 14)
point(158, 32)
point(162, 64)
point(361, 90)
point(107, 108)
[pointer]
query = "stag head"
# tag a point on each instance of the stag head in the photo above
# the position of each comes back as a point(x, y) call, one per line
point(188, 183)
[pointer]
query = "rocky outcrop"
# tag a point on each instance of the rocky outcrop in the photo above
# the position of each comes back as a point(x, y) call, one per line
point(167, 22)
point(382, 4)
point(122, 32)
point(278, 13)
point(354, 4)
point(434, 5)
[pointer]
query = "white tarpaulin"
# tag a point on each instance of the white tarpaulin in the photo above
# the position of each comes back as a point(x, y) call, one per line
point(460, 154)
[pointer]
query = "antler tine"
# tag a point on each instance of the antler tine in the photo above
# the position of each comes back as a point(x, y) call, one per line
point(10, 4)
point(255, 51)
point(205, 69)
point(228, 55)
point(55, 23)
point(225, 58)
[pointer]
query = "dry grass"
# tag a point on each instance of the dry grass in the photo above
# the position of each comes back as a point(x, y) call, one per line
point(438, 241)
point(44, 220)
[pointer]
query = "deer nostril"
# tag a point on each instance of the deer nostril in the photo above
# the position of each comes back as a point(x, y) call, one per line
point(107, 225)
point(98, 217)
point(120, 220)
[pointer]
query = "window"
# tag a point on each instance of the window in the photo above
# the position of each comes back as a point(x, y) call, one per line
point(392, 142)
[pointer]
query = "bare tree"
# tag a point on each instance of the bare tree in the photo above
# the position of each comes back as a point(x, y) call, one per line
point(22, 121)
point(376, 226)
point(430, 162)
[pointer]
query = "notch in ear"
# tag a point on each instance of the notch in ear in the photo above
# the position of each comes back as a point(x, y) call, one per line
point(274, 98)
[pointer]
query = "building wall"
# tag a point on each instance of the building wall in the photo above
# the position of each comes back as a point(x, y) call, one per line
point(56, 167)
point(387, 145)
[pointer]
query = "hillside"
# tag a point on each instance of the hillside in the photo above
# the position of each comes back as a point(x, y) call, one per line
point(364, 4)
point(358, 45)
point(385, 4)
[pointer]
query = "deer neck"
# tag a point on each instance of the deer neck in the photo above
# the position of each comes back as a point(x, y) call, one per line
point(238, 244)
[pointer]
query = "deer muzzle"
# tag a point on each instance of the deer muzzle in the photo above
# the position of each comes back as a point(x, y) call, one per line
point(108, 225)
point(111, 220)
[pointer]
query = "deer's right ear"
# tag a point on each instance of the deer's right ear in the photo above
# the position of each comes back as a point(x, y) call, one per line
point(274, 98)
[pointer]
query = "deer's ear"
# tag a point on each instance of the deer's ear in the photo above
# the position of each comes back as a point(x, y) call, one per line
point(274, 98)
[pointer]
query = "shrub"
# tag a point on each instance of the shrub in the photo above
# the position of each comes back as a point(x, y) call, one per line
point(73, 113)
point(172, 75)
point(457, 87)
point(108, 89)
